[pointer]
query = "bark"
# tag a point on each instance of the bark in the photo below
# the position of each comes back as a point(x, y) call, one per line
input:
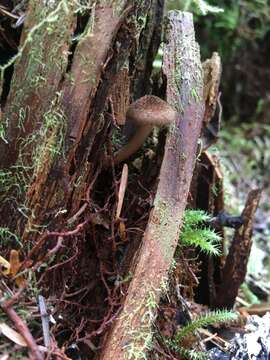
point(54, 112)
point(235, 268)
point(37, 75)
point(207, 194)
point(131, 332)
point(56, 122)
point(147, 51)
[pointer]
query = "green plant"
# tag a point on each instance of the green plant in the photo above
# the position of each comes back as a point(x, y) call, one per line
point(210, 318)
point(202, 6)
point(192, 354)
point(6, 236)
point(194, 233)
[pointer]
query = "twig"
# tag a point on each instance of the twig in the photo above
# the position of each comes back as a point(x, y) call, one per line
point(45, 321)
point(78, 213)
point(7, 13)
point(50, 253)
point(23, 330)
point(220, 108)
point(56, 233)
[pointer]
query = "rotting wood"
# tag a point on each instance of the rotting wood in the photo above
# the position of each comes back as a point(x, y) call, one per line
point(119, 99)
point(234, 271)
point(87, 68)
point(207, 194)
point(211, 124)
point(37, 74)
point(131, 331)
point(150, 41)
point(52, 184)
point(78, 92)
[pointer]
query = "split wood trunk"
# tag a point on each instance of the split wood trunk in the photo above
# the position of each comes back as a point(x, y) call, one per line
point(131, 331)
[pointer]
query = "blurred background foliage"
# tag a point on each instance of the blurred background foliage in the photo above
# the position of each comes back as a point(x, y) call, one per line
point(240, 31)
point(241, 35)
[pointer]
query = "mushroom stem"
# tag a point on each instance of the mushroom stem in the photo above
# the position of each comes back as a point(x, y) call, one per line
point(134, 144)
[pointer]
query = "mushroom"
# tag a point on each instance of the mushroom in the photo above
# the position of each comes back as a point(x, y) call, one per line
point(145, 113)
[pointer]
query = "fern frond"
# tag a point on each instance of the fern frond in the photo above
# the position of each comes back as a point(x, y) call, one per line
point(192, 354)
point(206, 239)
point(195, 217)
point(210, 318)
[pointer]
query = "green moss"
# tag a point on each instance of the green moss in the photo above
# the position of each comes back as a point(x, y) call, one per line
point(50, 138)
point(195, 233)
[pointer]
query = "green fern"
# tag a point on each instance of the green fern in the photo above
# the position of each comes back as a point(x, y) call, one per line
point(192, 235)
point(219, 316)
point(206, 239)
point(195, 217)
point(210, 318)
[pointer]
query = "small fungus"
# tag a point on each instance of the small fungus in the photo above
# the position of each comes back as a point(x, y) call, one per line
point(145, 113)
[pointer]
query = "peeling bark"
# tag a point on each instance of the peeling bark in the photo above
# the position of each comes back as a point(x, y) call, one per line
point(147, 51)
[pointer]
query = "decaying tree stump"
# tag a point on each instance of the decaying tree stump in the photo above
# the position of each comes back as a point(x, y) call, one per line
point(54, 110)
point(75, 71)
point(182, 68)
point(54, 126)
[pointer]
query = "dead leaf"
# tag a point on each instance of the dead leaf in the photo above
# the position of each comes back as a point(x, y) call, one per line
point(122, 231)
point(14, 261)
point(15, 265)
point(122, 190)
point(6, 265)
point(12, 334)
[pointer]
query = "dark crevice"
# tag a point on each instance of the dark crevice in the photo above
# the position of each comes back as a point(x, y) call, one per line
point(9, 42)
point(82, 21)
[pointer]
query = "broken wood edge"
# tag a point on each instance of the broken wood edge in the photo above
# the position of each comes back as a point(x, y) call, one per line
point(235, 268)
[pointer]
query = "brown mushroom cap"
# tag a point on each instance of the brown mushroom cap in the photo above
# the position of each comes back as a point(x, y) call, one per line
point(151, 110)
point(145, 113)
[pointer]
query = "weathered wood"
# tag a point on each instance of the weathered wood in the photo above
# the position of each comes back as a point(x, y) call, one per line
point(234, 271)
point(207, 193)
point(131, 332)
point(78, 93)
point(149, 44)
point(42, 61)
point(29, 118)
point(211, 79)
point(69, 112)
